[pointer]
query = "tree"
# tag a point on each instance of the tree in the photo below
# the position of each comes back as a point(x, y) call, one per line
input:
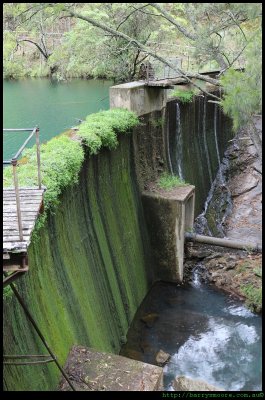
point(223, 32)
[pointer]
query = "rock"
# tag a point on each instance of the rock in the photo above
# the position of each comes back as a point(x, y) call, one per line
point(162, 357)
point(149, 319)
point(243, 186)
point(198, 253)
point(214, 255)
point(231, 265)
point(184, 384)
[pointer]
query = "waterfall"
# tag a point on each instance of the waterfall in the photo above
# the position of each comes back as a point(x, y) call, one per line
point(168, 149)
point(215, 133)
point(179, 142)
point(224, 201)
point(205, 141)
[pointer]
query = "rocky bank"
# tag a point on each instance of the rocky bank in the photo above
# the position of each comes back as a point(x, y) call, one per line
point(238, 272)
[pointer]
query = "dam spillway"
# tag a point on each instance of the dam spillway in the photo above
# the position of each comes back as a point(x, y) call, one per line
point(93, 263)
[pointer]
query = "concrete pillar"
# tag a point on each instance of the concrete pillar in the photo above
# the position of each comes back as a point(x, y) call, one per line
point(137, 97)
point(168, 216)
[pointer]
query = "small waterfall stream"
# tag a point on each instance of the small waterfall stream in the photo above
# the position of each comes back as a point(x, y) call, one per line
point(217, 206)
point(215, 133)
point(205, 140)
point(179, 146)
point(208, 334)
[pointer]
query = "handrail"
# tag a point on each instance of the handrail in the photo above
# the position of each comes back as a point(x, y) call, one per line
point(14, 162)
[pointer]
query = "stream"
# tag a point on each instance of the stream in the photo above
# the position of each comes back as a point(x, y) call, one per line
point(209, 335)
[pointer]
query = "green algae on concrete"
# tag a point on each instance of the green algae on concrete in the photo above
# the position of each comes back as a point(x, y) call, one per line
point(88, 270)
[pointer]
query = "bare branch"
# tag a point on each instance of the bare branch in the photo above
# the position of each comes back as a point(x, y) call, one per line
point(45, 55)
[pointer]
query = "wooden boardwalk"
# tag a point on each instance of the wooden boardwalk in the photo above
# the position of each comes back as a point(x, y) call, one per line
point(30, 205)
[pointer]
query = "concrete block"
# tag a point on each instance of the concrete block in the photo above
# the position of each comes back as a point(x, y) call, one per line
point(168, 215)
point(91, 370)
point(137, 97)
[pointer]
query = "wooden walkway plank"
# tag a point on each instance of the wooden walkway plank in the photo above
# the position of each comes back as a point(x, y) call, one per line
point(30, 204)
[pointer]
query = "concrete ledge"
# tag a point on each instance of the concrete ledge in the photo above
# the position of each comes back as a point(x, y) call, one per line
point(168, 215)
point(137, 97)
point(90, 370)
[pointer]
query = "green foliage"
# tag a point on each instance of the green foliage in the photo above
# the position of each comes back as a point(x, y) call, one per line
point(243, 96)
point(167, 181)
point(61, 160)
point(258, 272)
point(7, 292)
point(253, 297)
point(61, 157)
point(184, 96)
point(101, 129)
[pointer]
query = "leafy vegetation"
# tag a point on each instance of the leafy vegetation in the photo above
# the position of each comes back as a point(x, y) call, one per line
point(167, 181)
point(101, 129)
point(61, 157)
point(61, 160)
point(113, 40)
point(8, 292)
point(184, 96)
point(253, 297)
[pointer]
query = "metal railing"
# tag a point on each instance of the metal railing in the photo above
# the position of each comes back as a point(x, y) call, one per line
point(14, 162)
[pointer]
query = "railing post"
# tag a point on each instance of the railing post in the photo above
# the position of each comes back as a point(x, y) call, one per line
point(37, 130)
point(14, 164)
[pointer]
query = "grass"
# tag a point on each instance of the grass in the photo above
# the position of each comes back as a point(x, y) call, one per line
point(253, 297)
point(184, 96)
point(167, 181)
point(258, 272)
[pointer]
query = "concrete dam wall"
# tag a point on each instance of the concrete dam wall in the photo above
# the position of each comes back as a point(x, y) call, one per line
point(93, 263)
point(198, 133)
point(89, 271)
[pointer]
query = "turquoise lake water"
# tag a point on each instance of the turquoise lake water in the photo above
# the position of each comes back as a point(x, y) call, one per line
point(53, 106)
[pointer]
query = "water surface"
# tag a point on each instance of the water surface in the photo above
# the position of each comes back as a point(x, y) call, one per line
point(53, 106)
point(209, 335)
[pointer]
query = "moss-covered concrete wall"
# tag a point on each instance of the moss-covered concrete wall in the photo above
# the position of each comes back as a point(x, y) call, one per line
point(88, 272)
point(201, 138)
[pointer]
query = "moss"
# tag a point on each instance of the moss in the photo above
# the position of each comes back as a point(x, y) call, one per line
point(101, 129)
point(88, 273)
point(61, 157)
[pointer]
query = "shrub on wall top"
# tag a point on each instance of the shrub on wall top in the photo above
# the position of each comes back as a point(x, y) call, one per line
point(62, 157)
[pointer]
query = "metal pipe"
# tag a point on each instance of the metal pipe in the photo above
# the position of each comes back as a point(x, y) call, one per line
point(14, 163)
point(18, 130)
point(31, 319)
point(37, 130)
point(222, 242)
